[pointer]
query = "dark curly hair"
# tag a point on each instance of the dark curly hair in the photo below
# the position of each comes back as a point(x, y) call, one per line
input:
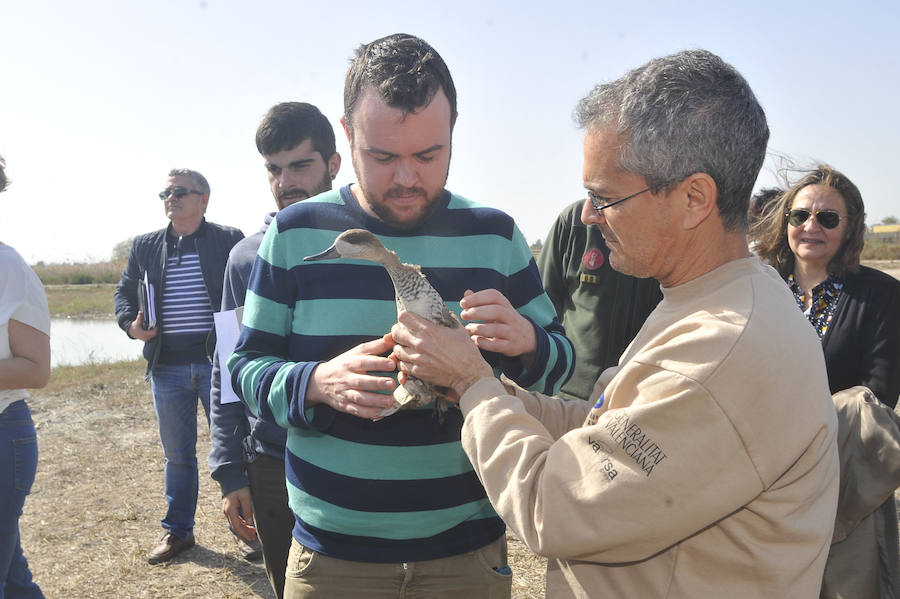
point(288, 124)
point(405, 71)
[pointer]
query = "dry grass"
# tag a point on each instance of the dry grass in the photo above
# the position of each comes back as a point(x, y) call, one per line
point(81, 273)
point(80, 301)
point(95, 507)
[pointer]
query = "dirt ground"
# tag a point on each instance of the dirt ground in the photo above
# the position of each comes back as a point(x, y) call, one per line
point(95, 507)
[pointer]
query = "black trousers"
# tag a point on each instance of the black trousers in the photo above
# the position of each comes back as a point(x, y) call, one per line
point(274, 519)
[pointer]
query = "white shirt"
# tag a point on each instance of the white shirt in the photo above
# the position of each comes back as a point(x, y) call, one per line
point(21, 298)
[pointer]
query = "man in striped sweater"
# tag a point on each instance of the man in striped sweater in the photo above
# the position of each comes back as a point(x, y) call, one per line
point(390, 504)
point(185, 264)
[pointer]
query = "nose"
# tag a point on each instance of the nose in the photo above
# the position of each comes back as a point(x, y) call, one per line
point(589, 215)
point(405, 174)
point(811, 224)
point(286, 179)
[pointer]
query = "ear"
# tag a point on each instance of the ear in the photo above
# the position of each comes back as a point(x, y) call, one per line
point(701, 199)
point(205, 201)
point(334, 164)
point(346, 130)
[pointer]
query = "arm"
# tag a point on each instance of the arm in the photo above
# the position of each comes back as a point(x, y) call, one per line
point(449, 358)
point(880, 368)
point(619, 491)
point(125, 299)
point(500, 328)
point(280, 389)
point(549, 363)
point(23, 308)
point(227, 430)
point(29, 365)
point(228, 424)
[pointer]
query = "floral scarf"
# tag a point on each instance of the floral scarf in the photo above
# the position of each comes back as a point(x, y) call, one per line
point(824, 301)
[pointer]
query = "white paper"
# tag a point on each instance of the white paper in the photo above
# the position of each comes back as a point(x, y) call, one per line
point(150, 302)
point(228, 329)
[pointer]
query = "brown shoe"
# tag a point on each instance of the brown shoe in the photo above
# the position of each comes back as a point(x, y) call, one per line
point(169, 546)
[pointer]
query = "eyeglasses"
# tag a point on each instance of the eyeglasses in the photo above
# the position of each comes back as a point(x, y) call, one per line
point(177, 193)
point(600, 203)
point(828, 219)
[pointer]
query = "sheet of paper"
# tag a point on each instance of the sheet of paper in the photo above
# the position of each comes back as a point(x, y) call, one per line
point(228, 329)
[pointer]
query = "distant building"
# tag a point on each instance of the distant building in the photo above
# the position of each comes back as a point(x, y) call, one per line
point(879, 229)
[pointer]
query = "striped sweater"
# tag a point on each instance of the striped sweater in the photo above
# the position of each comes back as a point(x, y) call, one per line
point(400, 489)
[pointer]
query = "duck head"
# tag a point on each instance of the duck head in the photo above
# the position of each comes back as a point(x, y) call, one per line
point(353, 243)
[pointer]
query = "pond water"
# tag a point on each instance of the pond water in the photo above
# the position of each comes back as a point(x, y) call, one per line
point(83, 341)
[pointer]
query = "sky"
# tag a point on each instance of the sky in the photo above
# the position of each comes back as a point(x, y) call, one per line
point(99, 99)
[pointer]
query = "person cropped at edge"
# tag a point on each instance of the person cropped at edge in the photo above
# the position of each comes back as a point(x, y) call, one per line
point(24, 364)
point(601, 309)
point(814, 236)
point(706, 464)
point(246, 454)
point(390, 504)
point(184, 263)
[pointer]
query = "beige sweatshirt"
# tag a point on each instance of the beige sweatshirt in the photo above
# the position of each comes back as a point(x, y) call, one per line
point(710, 469)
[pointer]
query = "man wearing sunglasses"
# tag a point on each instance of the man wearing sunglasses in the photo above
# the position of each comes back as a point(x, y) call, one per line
point(178, 271)
point(246, 454)
point(705, 464)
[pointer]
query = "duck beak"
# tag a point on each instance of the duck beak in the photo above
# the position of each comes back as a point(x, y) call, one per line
point(329, 254)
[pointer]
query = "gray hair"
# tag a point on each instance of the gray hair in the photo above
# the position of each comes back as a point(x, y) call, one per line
point(198, 179)
point(3, 180)
point(686, 113)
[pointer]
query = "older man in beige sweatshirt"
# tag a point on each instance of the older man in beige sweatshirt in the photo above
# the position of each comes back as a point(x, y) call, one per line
point(705, 464)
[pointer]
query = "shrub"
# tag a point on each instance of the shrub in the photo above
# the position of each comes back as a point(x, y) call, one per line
point(881, 249)
point(79, 273)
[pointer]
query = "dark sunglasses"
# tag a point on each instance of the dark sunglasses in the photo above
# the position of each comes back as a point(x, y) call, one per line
point(177, 193)
point(828, 219)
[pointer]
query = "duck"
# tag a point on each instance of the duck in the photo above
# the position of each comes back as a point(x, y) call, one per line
point(413, 293)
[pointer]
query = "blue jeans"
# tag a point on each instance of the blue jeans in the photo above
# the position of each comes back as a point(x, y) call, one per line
point(18, 464)
point(176, 389)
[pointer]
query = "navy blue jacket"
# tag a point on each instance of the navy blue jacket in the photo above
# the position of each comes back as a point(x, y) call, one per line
point(235, 434)
point(148, 254)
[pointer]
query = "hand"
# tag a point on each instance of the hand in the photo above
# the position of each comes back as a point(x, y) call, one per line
point(343, 384)
point(437, 354)
point(137, 331)
point(503, 329)
point(238, 510)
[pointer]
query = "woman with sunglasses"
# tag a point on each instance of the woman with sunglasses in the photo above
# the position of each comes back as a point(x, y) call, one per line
point(813, 236)
point(24, 364)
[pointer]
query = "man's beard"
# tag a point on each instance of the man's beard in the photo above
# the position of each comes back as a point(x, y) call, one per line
point(386, 215)
point(298, 194)
point(383, 212)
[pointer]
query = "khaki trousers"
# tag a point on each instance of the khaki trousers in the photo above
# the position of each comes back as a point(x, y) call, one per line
point(480, 574)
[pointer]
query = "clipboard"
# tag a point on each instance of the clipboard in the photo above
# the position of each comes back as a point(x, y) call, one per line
point(146, 302)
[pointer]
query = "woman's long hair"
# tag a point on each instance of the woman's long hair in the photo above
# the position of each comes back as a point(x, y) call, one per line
point(769, 233)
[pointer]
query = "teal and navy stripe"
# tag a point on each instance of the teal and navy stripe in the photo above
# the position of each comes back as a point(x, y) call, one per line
point(400, 489)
